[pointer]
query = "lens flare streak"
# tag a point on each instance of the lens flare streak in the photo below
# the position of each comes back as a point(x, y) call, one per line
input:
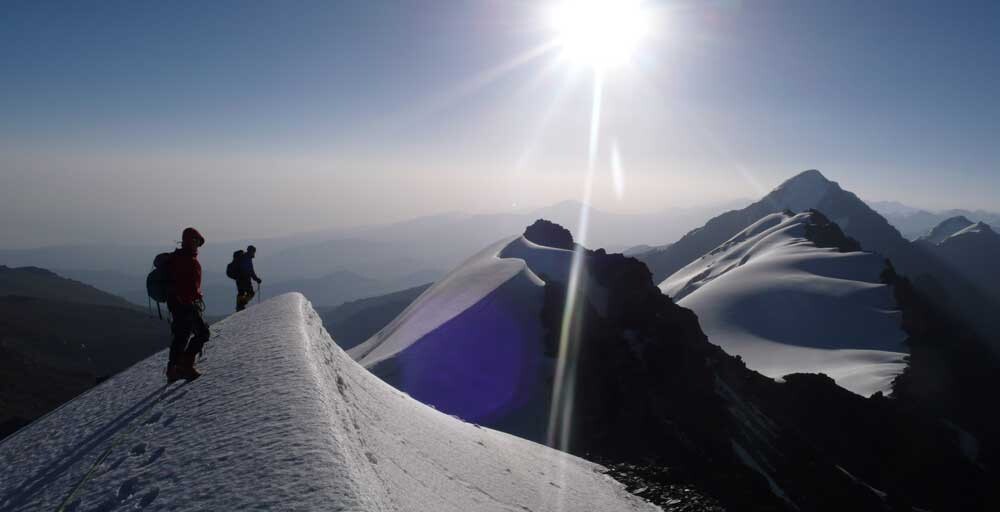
point(564, 385)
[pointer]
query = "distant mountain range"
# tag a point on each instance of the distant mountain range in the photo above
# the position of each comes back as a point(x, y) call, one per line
point(45, 284)
point(914, 223)
point(335, 266)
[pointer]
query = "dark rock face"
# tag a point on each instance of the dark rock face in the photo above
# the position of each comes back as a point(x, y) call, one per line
point(952, 373)
point(652, 393)
point(549, 234)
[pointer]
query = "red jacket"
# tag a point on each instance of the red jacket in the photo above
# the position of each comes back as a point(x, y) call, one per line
point(186, 273)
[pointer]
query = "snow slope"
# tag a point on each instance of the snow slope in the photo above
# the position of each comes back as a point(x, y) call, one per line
point(471, 345)
point(785, 305)
point(282, 420)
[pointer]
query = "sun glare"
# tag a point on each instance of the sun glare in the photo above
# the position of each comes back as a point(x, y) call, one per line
point(599, 33)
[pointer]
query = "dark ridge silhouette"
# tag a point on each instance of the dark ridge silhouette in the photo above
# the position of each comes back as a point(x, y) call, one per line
point(550, 234)
point(45, 284)
point(59, 338)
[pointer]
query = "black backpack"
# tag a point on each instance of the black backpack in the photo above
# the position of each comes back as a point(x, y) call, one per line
point(233, 268)
point(159, 282)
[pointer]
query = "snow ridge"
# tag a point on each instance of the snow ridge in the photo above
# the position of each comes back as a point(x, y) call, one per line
point(282, 419)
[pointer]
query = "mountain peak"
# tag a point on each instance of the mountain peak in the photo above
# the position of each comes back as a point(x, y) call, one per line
point(544, 232)
point(802, 191)
point(947, 228)
point(812, 175)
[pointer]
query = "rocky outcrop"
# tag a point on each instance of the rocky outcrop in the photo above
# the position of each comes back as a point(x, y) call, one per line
point(550, 234)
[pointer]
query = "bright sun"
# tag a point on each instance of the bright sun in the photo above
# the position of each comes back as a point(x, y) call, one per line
point(599, 33)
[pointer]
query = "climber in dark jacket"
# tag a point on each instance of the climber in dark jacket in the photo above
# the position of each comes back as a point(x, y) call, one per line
point(186, 304)
point(244, 288)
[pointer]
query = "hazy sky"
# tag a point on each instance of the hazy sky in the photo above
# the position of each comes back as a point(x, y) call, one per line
point(129, 120)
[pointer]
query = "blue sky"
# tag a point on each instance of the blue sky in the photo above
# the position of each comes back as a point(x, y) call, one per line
point(123, 119)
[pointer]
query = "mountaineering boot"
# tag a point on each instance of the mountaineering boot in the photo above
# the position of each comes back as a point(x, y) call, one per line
point(185, 367)
point(172, 373)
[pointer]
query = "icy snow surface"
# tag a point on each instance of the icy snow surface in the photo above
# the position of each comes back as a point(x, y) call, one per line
point(503, 264)
point(786, 306)
point(282, 420)
point(472, 344)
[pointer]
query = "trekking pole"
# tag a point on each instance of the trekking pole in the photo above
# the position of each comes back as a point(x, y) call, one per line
point(259, 286)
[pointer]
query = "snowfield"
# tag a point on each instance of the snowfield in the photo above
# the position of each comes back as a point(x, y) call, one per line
point(282, 420)
point(786, 306)
point(471, 345)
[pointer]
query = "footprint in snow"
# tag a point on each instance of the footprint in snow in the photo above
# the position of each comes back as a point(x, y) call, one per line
point(115, 465)
point(371, 457)
point(341, 385)
point(154, 418)
point(169, 421)
point(147, 499)
point(105, 506)
point(177, 396)
point(137, 450)
point(155, 456)
point(127, 489)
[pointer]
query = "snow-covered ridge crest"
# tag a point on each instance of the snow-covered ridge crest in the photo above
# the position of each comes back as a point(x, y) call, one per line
point(513, 263)
point(282, 420)
point(472, 344)
point(771, 296)
point(753, 241)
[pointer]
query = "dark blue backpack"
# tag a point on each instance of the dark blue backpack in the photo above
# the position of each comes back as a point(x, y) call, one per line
point(159, 282)
point(233, 268)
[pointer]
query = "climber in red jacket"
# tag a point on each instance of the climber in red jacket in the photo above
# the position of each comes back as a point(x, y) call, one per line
point(190, 332)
